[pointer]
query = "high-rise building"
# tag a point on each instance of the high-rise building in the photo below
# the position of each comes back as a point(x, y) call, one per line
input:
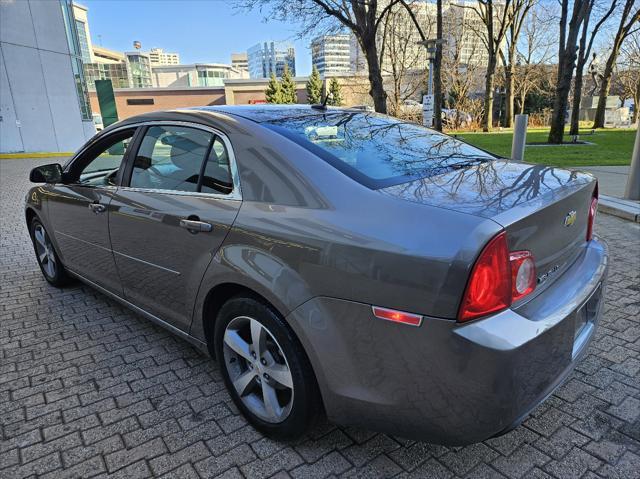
point(464, 29)
point(240, 61)
point(331, 54)
point(43, 98)
point(271, 57)
point(157, 57)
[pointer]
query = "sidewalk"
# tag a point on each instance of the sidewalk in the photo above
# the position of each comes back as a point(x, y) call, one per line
point(612, 181)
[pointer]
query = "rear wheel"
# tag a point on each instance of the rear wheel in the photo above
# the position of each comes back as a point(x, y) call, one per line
point(48, 260)
point(265, 369)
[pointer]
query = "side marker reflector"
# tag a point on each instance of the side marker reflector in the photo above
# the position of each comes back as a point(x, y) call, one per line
point(397, 316)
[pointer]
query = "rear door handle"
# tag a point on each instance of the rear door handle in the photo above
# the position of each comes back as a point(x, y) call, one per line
point(195, 226)
point(97, 208)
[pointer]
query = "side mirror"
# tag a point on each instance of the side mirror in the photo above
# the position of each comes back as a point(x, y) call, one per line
point(46, 174)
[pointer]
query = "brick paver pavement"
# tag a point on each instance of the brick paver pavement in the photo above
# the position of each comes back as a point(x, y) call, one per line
point(88, 388)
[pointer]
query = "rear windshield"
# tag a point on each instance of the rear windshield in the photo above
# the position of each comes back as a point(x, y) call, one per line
point(376, 150)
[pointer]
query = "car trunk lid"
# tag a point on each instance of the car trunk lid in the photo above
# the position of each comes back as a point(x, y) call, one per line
point(543, 209)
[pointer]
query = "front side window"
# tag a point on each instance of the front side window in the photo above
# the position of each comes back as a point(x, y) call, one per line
point(101, 163)
point(376, 150)
point(173, 157)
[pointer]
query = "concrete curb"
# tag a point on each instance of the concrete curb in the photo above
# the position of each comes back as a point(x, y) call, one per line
point(41, 154)
point(626, 209)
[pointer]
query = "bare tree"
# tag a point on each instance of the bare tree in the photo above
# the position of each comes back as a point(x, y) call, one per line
point(363, 18)
point(518, 14)
point(584, 51)
point(401, 58)
point(629, 72)
point(496, 19)
point(533, 52)
point(460, 78)
point(628, 21)
point(570, 26)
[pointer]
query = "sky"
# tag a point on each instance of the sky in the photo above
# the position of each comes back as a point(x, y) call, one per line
point(200, 31)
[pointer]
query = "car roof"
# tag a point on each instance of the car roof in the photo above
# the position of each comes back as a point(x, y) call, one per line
point(265, 112)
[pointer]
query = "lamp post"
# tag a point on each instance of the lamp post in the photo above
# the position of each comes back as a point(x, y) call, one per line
point(427, 101)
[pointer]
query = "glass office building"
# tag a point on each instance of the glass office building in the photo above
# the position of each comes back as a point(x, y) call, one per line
point(271, 57)
point(331, 54)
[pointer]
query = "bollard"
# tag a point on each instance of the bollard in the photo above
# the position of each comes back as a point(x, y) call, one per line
point(519, 137)
point(632, 191)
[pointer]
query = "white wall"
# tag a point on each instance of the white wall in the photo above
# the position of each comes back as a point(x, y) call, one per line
point(38, 101)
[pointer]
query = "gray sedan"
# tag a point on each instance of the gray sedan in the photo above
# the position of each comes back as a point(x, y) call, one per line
point(336, 261)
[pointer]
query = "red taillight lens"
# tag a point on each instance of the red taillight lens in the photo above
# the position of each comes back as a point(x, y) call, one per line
point(523, 274)
point(593, 208)
point(489, 287)
point(497, 279)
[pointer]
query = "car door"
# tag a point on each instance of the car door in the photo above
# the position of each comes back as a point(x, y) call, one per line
point(179, 198)
point(78, 209)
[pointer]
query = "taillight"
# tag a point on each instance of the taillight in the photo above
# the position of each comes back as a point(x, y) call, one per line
point(498, 278)
point(489, 287)
point(593, 208)
point(523, 274)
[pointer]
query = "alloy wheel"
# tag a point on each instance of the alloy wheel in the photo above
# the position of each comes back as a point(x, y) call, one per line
point(44, 250)
point(258, 369)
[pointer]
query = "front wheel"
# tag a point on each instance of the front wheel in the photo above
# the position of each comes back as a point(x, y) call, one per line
point(48, 260)
point(265, 369)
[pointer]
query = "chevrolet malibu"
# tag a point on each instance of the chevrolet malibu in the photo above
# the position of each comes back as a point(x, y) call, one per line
point(335, 262)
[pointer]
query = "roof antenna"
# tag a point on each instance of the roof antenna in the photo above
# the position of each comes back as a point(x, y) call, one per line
point(324, 102)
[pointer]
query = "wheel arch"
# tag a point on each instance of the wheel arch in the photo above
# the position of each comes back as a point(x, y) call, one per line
point(217, 296)
point(29, 214)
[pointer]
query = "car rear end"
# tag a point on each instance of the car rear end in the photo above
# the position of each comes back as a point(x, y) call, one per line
point(524, 306)
point(462, 380)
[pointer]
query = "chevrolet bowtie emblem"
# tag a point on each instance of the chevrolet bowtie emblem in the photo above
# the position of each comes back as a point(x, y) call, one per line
point(570, 218)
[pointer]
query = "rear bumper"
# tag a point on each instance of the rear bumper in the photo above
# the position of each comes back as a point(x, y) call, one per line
point(449, 383)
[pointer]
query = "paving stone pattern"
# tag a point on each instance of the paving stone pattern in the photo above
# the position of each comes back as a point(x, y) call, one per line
point(89, 389)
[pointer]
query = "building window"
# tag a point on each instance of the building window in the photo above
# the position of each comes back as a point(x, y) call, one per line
point(76, 59)
point(83, 41)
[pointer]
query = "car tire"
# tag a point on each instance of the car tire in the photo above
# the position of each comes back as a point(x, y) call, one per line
point(46, 255)
point(266, 400)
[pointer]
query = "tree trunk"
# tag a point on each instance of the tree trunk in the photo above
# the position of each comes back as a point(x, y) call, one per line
point(575, 104)
point(605, 86)
point(565, 72)
point(487, 119)
point(636, 102)
point(566, 64)
point(437, 72)
point(509, 107)
point(375, 75)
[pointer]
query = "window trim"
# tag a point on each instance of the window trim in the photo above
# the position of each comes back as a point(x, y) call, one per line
point(236, 193)
point(80, 157)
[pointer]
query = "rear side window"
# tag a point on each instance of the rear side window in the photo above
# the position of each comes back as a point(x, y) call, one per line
point(180, 158)
point(376, 150)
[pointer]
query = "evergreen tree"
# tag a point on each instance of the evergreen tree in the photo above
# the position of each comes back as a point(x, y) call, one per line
point(288, 87)
point(273, 93)
point(336, 93)
point(314, 87)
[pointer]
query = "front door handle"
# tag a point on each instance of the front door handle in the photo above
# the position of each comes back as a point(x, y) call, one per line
point(97, 208)
point(195, 226)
